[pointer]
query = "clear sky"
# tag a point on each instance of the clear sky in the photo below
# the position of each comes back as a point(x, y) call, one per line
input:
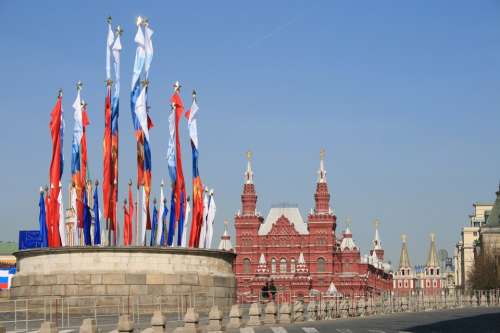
point(404, 97)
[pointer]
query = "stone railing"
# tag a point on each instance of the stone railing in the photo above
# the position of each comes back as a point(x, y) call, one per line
point(271, 313)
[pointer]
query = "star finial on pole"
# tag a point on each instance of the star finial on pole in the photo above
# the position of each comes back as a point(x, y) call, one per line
point(376, 223)
point(433, 237)
point(403, 238)
point(79, 85)
point(322, 153)
point(249, 155)
point(109, 19)
point(348, 222)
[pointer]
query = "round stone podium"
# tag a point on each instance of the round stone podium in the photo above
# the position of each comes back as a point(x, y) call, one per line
point(107, 274)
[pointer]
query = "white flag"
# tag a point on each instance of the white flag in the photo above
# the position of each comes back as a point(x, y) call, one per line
point(210, 221)
point(184, 228)
point(203, 232)
point(109, 43)
point(144, 217)
point(159, 227)
point(76, 238)
point(141, 113)
point(148, 47)
point(62, 226)
point(117, 47)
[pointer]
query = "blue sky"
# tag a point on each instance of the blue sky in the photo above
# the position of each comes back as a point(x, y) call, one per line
point(402, 95)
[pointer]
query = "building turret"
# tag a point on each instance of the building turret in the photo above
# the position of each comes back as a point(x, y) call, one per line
point(377, 244)
point(493, 219)
point(404, 258)
point(322, 196)
point(249, 197)
point(347, 243)
point(432, 258)
point(225, 240)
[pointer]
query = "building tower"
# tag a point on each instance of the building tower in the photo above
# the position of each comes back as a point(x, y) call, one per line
point(377, 250)
point(321, 227)
point(490, 231)
point(404, 278)
point(247, 223)
point(225, 240)
point(431, 283)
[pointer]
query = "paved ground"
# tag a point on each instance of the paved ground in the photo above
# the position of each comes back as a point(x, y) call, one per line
point(482, 320)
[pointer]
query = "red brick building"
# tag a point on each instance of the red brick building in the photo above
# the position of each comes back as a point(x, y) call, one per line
point(300, 257)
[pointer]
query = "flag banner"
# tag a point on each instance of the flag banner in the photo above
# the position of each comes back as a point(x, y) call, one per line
point(210, 220)
point(126, 224)
point(164, 222)
point(87, 221)
point(159, 231)
point(179, 185)
point(171, 224)
point(56, 171)
point(184, 229)
point(197, 218)
point(73, 208)
point(154, 226)
point(29, 239)
point(107, 182)
point(42, 221)
point(97, 222)
point(203, 231)
point(142, 239)
point(180, 228)
point(62, 224)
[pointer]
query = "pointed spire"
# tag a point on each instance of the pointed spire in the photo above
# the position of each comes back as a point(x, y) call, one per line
point(377, 244)
point(225, 240)
point(347, 242)
point(404, 259)
point(321, 171)
point(432, 259)
point(249, 172)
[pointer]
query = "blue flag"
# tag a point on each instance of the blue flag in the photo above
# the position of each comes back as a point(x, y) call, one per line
point(154, 226)
point(87, 220)
point(42, 220)
point(180, 227)
point(171, 224)
point(164, 223)
point(97, 224)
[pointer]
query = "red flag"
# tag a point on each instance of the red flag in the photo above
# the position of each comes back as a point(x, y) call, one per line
point(107, 182)
point(56, 169)
point(180, 186)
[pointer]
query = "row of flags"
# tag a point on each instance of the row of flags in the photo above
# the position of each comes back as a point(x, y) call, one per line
point(85, 216)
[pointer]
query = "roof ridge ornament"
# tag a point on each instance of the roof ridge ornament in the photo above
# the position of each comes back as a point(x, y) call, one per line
point(322, 171)
point(249, 172)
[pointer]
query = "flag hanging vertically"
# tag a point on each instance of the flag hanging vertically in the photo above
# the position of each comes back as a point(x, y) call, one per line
point(159, 231)
point(87, 220)
point(203, 231)
point(180, 186)
point(110, 141)
point(197, 219)
point(140, 116)
point(73, 207)
point(184, 229)
point(164, 222)
point(210, 220)
point(56, 170)
point(42, 220)
point(62, 226)
point(129, 213)
point(154, 225)
point(97, 222)
point(171, 222)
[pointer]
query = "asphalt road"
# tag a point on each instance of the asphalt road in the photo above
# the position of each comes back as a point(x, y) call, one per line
point(468, 320)
point(482, 320)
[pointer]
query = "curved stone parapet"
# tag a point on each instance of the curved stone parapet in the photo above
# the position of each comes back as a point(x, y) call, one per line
point(146, 272)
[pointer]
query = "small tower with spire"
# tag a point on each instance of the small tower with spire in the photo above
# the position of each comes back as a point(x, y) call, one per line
point(225, 240)
point(249, 197)
point(377, 244)
point(431, 283)
point(322, 196)
point(404, 278)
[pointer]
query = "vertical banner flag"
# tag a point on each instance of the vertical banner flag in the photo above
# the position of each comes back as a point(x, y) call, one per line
point(126, 224)
point(184, 229)
point(210, 220)
point(172, 171)
point(171, 222)
point(203, 231)
point(154, 226)
point(97, 222)
point(164, 222)
point(110, 141)
point(74, 209)
point(56, 170)
point(42, 220)
point(140, 114)
point(62, 226)
point(180, 186)
point(197, 219)
point(129, 213)
point(87, 220)
point(159, 229)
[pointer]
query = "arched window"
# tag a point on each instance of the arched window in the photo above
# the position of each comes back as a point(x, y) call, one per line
point(283, 265)
point(273, 265)
point(432, 271)
point(292, 265)
point(320, 267)
point(246, 266)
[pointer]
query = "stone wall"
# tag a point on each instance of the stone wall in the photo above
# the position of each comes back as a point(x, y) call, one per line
point(113, 276)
